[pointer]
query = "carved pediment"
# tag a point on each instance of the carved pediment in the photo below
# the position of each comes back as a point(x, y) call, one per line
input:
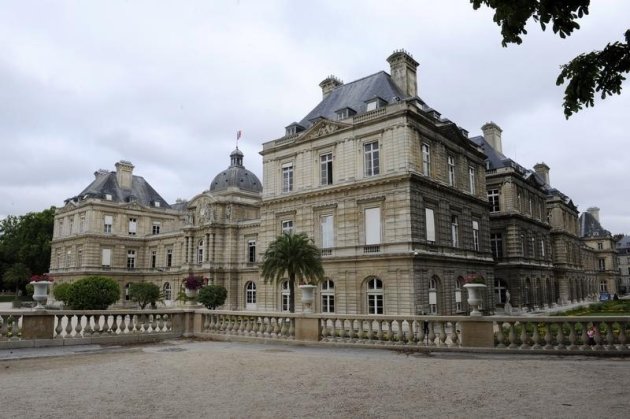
point(322, 128)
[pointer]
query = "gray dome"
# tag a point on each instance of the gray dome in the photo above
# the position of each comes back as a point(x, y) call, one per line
point(236, 176)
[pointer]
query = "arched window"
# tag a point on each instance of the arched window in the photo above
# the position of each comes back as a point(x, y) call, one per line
point(500, 290)
point(458, 295)
point(167, 291)
point(375, 296)
point(285, 295)
point(433, 295)
point(127, 291)
point(200, 252)
point(328, 296)
point(250, 296)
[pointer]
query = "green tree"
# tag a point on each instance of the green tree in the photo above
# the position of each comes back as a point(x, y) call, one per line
point(212, 296)
point(16, 276)
point(144, 293)
point(295, 256)
point(60, 291)
point(599, 71)
point(93, 293)
point(26, 240)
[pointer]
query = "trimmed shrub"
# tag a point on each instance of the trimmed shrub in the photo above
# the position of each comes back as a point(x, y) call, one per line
point(93, 293)
point(144, 293)
point(212, 296)
point(60, 292)
point(30, 290)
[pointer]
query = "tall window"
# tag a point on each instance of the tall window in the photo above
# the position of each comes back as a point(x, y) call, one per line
point(542, 248)
point(375, 296)
point(454, 231)
point(600, 246)
point(493, 199)
point(200, 252)
point(603, 286)
point(372, 226)
point(251, 251)
point(250, 295)
point(433, 291)
point(287, 226)
point(500, 290)
point(107, 224)
point(285, 294)
point(131, 259)
point(327, 231)
point(602, 264)
point(328, 296)
point(60, 232)
point(153, 258)
point(451, 170)
point(169, 258)
point(79, 256)
point(155, 228)
point(426, 159)
point(458, 295)
point(81, 223)
point(496, 244)
point(71, 225)
point(522, 239)
point(430, 224)
point(167, 291)
point(531, 208)
point(471, 179)
point(287, 177)
point(371, 159)
point(326, 169)
point(106, 257)
point(475, 228)
point(133, 225)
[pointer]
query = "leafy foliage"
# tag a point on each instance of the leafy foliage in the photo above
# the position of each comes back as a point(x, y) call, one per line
point(16, 276)
point(93, 293)
point(589, 73)
point(60, 292)
point(192, 282)
point(144, 293)
point(212, 296)
point(295, 256)
point(26, 240)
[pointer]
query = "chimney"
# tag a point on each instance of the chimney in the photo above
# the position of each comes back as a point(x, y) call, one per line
point(329, 84)
point(492, 135)
point(124, 174)
point(594, 211)
point(402, 68)
point(542, 170)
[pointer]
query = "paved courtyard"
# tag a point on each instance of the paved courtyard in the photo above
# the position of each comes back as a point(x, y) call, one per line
point(194, 379)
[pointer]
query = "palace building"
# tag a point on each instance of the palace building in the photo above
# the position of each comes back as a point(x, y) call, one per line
point(403, 204)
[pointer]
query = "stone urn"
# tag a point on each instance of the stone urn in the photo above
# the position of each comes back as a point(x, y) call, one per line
point(40, 293)
point(475, 297)
point(307, 297)
point(190, 295)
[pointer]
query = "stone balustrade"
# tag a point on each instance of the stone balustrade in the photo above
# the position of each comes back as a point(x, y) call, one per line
point(510, 334)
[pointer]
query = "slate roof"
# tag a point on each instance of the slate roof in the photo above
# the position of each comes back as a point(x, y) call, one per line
point(354, 95)
point(236, 176)
point(623, 245)
point(590, 227)
point(105, 183)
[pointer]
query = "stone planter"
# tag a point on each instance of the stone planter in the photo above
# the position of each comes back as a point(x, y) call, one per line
point(475, 297)
point(40, 294)
point(307, 297)
point(191, 295)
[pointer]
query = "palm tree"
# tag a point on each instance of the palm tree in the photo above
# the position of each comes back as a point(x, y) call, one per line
point(295, 256)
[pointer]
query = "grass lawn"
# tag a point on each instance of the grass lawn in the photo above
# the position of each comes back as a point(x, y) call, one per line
point(608, 308)
point(10, 297)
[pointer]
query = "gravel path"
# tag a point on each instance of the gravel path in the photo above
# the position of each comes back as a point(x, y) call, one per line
point(187, 379)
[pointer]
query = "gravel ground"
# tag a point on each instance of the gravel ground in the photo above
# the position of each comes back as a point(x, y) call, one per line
point(192, 379)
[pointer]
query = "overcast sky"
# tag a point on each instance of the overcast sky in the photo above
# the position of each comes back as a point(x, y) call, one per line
point(166, 85)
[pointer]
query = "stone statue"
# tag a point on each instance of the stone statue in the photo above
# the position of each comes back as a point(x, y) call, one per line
point(507, 307)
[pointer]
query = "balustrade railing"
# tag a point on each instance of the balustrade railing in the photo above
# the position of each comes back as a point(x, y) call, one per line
point(256, 325)
point(10, 326)
point(426, 331)
point(84, 324)
point(563, 333)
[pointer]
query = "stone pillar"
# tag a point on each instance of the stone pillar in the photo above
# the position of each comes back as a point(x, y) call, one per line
point(38, 326)
point(307, 329)
point(477, 334)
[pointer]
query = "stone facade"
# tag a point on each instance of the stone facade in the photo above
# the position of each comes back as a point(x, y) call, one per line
point(395, 195)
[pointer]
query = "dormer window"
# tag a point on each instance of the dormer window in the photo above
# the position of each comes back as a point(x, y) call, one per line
point(108, 197)
point(344, 113)
point(157, 204)
point(294, 128)
point(375, 103)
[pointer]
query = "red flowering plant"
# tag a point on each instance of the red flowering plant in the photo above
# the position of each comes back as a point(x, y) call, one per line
point(193, 282)
point(41, 278)
point(475, 278)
